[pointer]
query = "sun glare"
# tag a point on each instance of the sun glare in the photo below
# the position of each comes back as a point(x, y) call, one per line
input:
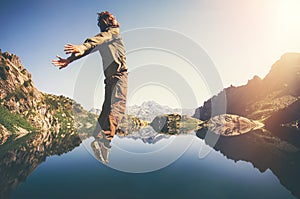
point(289, 14)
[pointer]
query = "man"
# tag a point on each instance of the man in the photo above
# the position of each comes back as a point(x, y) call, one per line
point(111, 47)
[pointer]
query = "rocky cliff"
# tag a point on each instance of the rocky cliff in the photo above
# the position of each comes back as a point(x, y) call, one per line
point(24, 109)
point(260, 98)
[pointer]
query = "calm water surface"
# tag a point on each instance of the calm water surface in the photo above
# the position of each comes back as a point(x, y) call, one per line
point(256, 167)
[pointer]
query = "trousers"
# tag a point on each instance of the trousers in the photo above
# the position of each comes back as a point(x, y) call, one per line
point(114, 105)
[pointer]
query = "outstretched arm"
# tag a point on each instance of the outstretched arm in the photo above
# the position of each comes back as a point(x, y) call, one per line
point(79, 51)
point(61, 62)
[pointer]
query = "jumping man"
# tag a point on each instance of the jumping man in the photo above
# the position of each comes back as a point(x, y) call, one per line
point(111, 47)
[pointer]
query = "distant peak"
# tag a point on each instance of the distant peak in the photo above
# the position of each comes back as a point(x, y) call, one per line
point(150, 102)
point(254, 80)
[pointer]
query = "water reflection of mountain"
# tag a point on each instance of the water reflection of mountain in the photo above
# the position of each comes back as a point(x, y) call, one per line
point(265, 151)
point(147, 135)
point(162, 127)
point(19, 158)
point(278, 151)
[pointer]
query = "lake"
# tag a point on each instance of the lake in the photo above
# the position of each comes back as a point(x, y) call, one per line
point(146, 164)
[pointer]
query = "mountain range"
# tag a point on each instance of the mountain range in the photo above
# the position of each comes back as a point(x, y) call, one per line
point(35, 125)
point(273, 100)
point(150, 109)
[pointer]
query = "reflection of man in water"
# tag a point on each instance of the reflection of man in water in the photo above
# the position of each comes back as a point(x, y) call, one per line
point(101, 147)
point(111, 47)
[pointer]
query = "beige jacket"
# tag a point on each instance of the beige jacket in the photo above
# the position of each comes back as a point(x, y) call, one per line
point(111, 48)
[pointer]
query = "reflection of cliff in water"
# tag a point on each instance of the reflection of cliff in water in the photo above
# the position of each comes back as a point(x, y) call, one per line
point(265, 151)
point(21, 157)
point(147, 135)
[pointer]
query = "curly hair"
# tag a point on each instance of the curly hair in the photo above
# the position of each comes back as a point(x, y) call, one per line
point(107, 20)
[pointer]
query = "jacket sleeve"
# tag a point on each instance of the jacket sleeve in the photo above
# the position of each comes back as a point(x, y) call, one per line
point(90, 43)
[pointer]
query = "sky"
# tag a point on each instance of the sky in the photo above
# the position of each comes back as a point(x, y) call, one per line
point(241, 39)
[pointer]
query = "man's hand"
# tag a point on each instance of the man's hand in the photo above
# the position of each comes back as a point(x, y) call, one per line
point(61, 62)
point(78, 50)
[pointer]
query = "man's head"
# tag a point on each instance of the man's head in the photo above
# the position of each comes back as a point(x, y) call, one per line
point(107, 20)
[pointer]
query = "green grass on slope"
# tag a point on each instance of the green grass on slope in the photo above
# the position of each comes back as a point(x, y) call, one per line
point(11, 120)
